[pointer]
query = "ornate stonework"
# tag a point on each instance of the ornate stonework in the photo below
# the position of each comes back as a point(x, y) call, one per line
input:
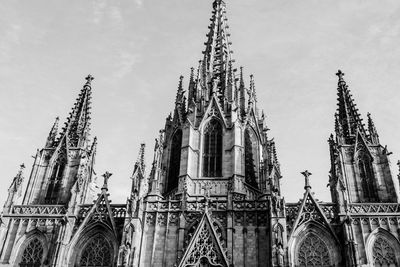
point(212, 196)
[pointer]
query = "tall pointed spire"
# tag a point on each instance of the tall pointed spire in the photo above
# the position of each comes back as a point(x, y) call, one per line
point(51, 139)
point(217, 53)
point(348, 118)
point(373, 133)
point(77, 126)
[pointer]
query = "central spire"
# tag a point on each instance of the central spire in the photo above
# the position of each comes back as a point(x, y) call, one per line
point(217, 54)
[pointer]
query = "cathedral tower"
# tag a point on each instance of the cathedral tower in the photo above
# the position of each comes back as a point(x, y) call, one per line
point(66, 160)
point(214, 168)
point(61, 180)
point(360, 170)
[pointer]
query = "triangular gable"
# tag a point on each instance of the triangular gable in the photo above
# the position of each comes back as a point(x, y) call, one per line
point(310, 211)
point(252, 120)
point(62, 148)
point(204, 244)
point(214, 109)
point(100, 213)
point(361, 144)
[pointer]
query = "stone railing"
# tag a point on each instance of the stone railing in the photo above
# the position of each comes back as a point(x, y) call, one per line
point(374, 208)
point(38, 210)
point(118, 210)
point(199, 205)
point(292, 210)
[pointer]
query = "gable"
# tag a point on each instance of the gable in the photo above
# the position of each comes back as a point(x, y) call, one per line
point(310, 211)
point(204, 246)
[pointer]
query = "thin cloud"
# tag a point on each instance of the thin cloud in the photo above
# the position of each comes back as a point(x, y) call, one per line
point(127, 62)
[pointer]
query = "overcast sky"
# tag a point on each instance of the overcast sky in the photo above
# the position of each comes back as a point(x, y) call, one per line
point(137, 49)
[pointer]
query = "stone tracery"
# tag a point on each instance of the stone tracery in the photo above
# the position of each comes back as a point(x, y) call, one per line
point(313, 252)
point(383, 253)
point(97, 252)
point(33, 254)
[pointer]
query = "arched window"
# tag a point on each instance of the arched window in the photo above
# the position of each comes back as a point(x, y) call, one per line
point(55, 183)
point(367, 178)
point(174, 160)
point(97, 253)
point(212, 149)
point(33, 254)
point(250, 157)
point(383, 253)
point(313, 252)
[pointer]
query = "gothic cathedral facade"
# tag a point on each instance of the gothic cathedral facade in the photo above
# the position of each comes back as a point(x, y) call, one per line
point(212, 196)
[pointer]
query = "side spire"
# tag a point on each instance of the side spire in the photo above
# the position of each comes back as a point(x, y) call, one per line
point(242, 97)
point(180, 102)
point(140, 159)
point(192, 87)
point(373, 133)
point(15, 189)
point(348, 118)
point(77, 126)
point(51, 139)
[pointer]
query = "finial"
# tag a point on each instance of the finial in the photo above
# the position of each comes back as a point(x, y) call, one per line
point(106, 176)
point(22, 166)
point(307, 174)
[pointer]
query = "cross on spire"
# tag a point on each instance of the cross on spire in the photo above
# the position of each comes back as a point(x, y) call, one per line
point(340, 74)
point(89, 79)
point(307, 174)
point(106, 176)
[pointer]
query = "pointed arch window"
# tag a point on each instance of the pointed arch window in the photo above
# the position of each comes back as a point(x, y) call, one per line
point(174, 160)
point(367, 177)
point(97, 253)
point(33, 254)
point(313, 252)
point(55, 181)
point(212, 149)
point(250, 156)
point(383, 253)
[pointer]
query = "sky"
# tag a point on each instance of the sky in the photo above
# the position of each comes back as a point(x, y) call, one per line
point(137, 49)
